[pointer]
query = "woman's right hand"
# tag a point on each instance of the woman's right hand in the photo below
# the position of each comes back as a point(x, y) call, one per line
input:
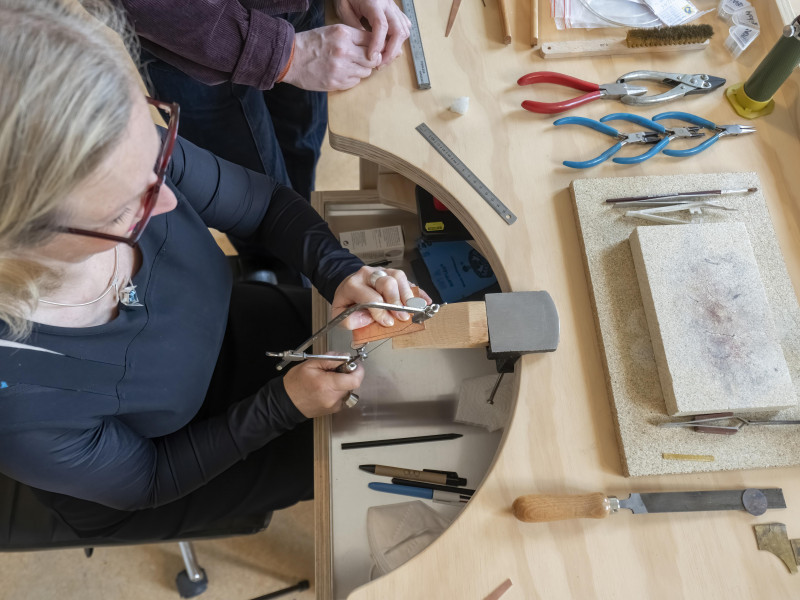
point(316, 388)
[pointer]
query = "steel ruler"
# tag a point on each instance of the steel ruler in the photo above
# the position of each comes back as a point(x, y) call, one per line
point(417, 53)
point(470, 177)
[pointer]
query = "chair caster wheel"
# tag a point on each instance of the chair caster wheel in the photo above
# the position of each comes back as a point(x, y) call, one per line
point(188, 588)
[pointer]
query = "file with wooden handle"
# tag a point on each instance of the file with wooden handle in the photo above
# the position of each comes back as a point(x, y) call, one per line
point(543, 508)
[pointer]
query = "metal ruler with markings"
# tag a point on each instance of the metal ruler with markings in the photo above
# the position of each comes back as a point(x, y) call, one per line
point(417, 53)
point(470, 177)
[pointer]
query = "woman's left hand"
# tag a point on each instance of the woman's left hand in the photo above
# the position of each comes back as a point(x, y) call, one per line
point(370, 284)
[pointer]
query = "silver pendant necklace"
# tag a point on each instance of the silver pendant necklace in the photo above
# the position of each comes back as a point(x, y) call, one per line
point(111, 286)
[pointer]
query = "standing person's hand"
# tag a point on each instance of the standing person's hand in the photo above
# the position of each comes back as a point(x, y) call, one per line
point(369, 284)
point(316, 389)
point(330, 58)
point(390, 26)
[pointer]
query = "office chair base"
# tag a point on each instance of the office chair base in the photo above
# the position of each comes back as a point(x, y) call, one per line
point(192, 581)
point(188, 588)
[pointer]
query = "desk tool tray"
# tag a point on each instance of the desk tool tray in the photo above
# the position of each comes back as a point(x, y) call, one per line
point(631, 374)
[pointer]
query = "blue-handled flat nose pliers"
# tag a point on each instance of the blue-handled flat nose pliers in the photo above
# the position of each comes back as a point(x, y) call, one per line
point(641, 137)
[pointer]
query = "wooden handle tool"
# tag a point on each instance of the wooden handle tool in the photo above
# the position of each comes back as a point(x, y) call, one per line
point(534, 22)
point(506, 24)
point(543, 508)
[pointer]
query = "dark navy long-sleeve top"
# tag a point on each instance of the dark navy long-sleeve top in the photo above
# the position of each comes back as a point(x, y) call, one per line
point(130, 445)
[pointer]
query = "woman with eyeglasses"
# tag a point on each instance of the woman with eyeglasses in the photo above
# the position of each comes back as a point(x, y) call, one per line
point(135, 394)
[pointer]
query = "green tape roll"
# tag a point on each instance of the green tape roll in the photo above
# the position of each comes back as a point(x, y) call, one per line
point(776, 66)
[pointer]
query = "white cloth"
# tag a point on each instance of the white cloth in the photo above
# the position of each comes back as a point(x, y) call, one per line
point(398, 532)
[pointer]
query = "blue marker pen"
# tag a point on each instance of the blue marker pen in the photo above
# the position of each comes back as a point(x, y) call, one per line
point(417, 492)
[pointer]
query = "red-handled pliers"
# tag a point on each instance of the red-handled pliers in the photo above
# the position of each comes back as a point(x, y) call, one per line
point(606, 90)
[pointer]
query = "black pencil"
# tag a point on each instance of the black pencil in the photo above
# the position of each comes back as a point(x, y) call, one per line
point(396, 441)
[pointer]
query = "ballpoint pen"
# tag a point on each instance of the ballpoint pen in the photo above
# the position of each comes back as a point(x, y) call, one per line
point(434, 486)
point(429, 476)
point(418, 492)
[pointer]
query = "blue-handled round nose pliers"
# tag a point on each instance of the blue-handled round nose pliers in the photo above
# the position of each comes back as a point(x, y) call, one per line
point(720, 131)
point(641, 137)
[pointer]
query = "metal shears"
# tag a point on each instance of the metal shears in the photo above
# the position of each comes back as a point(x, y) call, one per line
point(681, 84)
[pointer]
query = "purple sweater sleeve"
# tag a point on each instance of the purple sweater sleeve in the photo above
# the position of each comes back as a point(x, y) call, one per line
point(218, 40)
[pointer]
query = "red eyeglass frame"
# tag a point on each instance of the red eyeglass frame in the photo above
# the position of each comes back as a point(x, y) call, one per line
point(150, 197)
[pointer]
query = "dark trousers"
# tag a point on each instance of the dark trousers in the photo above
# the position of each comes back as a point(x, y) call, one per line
point(262, 317)
point(277, 131)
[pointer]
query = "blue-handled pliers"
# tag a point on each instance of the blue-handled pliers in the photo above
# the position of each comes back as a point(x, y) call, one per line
point(720, 131)
point(640, 137)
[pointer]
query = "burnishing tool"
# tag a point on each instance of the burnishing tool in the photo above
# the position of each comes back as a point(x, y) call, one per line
point(543, 508)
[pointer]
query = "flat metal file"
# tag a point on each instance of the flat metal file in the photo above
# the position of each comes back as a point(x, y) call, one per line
point(542, 508)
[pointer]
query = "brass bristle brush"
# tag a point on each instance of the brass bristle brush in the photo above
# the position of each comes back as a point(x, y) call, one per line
point(661, 39)
point(668, 36)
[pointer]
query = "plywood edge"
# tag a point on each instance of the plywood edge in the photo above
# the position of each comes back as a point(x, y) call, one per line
point(398, 165)
point(323, 534)
point(398, 191)
point(319, 200)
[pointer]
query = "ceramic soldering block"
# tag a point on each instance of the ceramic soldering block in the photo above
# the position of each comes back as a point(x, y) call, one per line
point(709, 320)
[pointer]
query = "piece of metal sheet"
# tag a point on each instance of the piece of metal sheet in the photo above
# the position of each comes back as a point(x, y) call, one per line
point(772, 537)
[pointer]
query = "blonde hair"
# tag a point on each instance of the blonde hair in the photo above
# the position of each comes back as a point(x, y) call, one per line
point(65, 102)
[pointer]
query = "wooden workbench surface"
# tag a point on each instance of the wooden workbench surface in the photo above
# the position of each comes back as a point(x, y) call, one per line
point(561, 438)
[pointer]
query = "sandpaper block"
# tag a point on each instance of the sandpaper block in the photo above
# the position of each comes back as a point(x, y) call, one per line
point(713, 337)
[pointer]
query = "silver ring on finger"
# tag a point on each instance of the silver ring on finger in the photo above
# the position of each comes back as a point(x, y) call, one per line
point(351, 400)
point(373, 278)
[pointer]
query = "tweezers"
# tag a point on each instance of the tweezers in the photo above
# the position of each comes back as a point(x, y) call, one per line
point(714, 423)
